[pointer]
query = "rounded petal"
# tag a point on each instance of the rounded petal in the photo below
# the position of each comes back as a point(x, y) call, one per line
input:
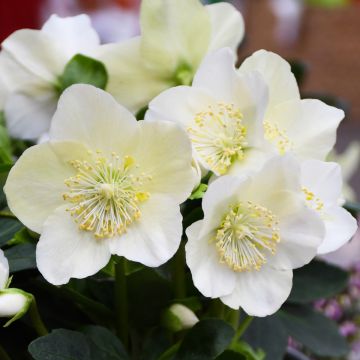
point(340, 227)
point(74, 34)
point(155, 237)
point(301, 233)
point(179, 104)
point(89, 115)
point(37, 53)
point(11, 303)
point(131, 82)
point(260, 293)
point(277, 74)
point(227, 26)
point(4, 270)
point(64, 251)
point(168, 30)
point(164, 152)
point(35, 184)
point(310, 125)
point(323, 179)
point(29, 117)
point(211, 278)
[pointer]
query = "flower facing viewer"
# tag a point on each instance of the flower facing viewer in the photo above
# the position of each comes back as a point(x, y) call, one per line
point(254, 232)
point(104, 184)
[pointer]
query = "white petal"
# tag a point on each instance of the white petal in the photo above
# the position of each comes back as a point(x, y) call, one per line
point(29, 117)
point(260, 293)
point(227, 26)
point(277, 74)
point(4, 270)
point(174, 33)
point(179, 104)
point(164, 153)
point(310, 125)
point(323, 179)
point(74, 34)
point(64, 251)
point(340, 226)
point(35, 184)
point(155, 237)
point(131, 82)
point(11, 304)
point(89, 115)
point(210, 277)
point(301, 233)
point(37, 53)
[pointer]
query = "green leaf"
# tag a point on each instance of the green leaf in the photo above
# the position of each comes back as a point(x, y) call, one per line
point(299, 69)
point(268, 334)
point(206, 340)
point(21, 237)
point(8, 228)
point(106, 345)
point(95, 343)
point(353, 207)
point(155, 344)
point(231, 355)
point(247, 351)
point(313, 330)
point(5, 144)
point(82, 69)
point(317, 280)
point(21, 257)
point(199, 192)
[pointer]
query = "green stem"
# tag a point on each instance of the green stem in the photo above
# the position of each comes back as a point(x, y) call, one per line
point(3, 354)
point(36, 320)
point(7, 214)
point(217, 309)
point(242, 328)
point(233, 317)
point(178, 272)
point(121, 303)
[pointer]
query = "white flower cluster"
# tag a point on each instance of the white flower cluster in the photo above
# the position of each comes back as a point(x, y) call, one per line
point(107, 184)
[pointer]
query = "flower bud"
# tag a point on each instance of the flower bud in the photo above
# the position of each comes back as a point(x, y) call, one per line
point(179, 317)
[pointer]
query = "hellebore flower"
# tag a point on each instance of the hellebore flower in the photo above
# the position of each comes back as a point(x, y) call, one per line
point(305, 127)
point(255, 230)
point(104, 184)
point(322, 188)
point(31, 62)
point(14, 303)
point(222, 113)
point(175, 37)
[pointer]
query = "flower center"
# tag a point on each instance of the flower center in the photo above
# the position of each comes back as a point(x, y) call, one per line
point(219, 136)
point(248, 233)
point(312, 200)
point(277, 137)
point(106, 194)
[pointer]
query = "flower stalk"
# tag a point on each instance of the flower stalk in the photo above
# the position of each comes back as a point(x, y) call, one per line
point(178, 273)
point(36, 320)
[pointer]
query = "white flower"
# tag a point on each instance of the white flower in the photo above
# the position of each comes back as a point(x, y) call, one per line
point(175, 37)
point(322, 186)
point(222, 113)
point(104, 184)
point(305, 127)
point(349, 160)
point(31, 62)
point(13, 302)
point(254, 232)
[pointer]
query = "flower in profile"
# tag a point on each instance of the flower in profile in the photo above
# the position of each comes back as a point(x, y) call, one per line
point(31, 62)
point(175, 37)
point(255, 230)
point(104, 184)
point(14, 303)
point(322, 188)
point(222, 113)
point(306, 127)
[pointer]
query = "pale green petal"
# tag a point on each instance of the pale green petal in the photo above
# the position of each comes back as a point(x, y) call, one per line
point(92, 116)
point(131, 81)
point(174, 32)
point(4, 270)
point(227, 26)
point(35, 185)
point(64, 251)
